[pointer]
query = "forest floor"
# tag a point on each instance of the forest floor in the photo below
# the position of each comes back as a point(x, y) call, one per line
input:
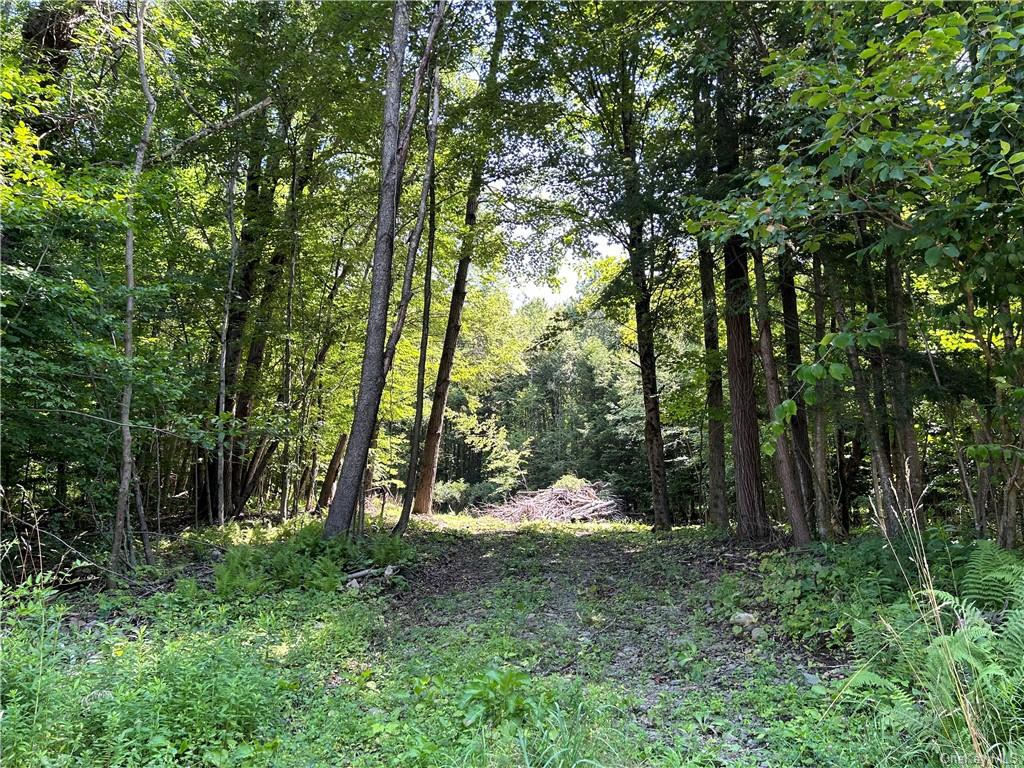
point(501, 645)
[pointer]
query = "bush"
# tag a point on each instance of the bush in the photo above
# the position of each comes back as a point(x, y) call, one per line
point(570, 483)
point(451, 496)
point(304, 559)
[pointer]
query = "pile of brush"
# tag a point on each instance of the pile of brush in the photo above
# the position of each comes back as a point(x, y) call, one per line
point(583, 502)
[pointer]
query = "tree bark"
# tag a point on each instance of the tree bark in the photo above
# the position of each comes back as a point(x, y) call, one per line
point(371, 380)
point(885, 500)
point(911, 477)
point(785, 463)
point(127, 460)
point(222, 493)
point(751, 517)
point(331, 475)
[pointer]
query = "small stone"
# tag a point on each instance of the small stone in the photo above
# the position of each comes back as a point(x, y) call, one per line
point(757, 634)
point(742, 619)
point(390, 571)
point(811, 679)
point(353, 585)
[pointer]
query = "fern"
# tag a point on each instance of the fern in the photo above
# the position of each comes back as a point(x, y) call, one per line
point(993, 577)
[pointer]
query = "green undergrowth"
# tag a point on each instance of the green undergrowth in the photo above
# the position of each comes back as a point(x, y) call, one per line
point(297, 555)
point(935, 629)
point(535, 645)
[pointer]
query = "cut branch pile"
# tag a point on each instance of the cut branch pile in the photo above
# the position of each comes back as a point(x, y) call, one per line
point(563, 505)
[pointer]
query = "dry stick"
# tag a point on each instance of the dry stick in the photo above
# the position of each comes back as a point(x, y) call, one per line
point(222, 365)
point(212, 129)
point(121, 514)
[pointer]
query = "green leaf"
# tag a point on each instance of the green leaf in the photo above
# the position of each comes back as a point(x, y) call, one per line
point(892, 9)
point(838, 371)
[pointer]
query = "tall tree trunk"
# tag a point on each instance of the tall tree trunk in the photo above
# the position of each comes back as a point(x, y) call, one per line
point(785, 463)
point(819, 449)
point(885, 501)
point(222, 493)
point(637, 250)
point(371, 380)
point(718, 508)
point(417, 232)
point(791, 337)
point(653, 440)
point(280, 257)
point(751, 517)
point(910, 482)
point(421, 366)
point(127, 461)
point(427, 470)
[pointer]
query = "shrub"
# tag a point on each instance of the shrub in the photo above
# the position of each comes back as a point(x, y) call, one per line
point(451, 496)
point(304, 559)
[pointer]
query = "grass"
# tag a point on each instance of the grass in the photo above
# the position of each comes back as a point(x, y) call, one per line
point(496, 645)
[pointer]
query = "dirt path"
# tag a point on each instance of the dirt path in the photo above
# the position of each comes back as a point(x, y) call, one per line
point(608, 605)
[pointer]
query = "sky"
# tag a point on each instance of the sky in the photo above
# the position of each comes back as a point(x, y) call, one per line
point(567, 278)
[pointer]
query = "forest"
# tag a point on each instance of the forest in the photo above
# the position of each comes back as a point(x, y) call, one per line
point(547, 383)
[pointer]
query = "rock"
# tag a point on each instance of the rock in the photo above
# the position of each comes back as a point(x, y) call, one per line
point(353, 585)
point(757, 634)
point(742, 619)
point(811, 679)
point(390, 571)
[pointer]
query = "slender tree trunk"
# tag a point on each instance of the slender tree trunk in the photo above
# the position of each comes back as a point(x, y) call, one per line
point(427, 471)
point(371, 380)
point(140, 510)
point(421, 367)
point(637, 250)
point(127, 461)
point(222, 494)
point(887, 511)
point(785, 464)
point(286, 367)
point(794, 358)
point(331, 475)
point(653, 440)
point(822, 493)
point(417, 232)
point(910, 474)
point(718, 508)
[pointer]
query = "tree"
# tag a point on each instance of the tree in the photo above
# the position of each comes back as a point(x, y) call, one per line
point(371, 381)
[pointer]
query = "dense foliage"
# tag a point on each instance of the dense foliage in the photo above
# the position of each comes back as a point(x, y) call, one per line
point(279, 281)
